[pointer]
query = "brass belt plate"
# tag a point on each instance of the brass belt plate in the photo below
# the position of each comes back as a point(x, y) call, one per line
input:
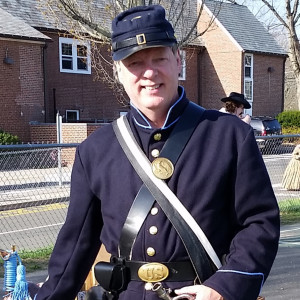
point(162, 168)
point(153, 272)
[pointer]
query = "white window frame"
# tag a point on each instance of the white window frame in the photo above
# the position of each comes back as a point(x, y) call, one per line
point(248, 82)
point(74, 57)
point(72, 111)
point(182, 75)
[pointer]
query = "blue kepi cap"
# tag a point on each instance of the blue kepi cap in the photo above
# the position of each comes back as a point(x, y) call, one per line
point(138, 28)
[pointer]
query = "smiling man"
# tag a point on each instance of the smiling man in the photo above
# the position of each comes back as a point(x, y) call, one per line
point(204, 160)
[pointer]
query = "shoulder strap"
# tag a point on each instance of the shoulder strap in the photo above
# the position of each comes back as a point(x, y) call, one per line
point(144, 200)
point(169, 202)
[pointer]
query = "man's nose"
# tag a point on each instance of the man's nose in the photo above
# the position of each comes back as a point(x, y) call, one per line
point(150, 70)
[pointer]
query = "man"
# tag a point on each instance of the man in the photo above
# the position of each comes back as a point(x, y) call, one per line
point(219, 177)
point(235, 104)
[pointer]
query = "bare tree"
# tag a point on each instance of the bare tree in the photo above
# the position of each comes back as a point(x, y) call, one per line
point(91, 19)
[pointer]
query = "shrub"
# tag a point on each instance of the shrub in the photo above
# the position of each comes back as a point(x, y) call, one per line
point(7, 138)
point(289, 119)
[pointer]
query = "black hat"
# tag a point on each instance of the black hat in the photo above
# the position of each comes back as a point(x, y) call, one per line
point(138, 28)
point(239, 98)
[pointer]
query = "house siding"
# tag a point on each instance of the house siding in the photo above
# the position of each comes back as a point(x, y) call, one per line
point(221, 65)
point(268, 85)
point(21, 87)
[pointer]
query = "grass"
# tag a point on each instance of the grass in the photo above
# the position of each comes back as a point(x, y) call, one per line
point(38, 260)
point(289, 211)
point(32, 260)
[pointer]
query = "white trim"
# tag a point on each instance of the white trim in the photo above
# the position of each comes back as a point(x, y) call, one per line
point(24, 41)
point(249, 79)
point(72, 111)
point(175, 202)
point(74, 43)
point(183, 65)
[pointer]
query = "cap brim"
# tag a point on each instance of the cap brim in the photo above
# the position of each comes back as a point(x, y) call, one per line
point(126, 52)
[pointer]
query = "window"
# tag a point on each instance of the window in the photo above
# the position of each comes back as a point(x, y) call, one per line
point(248, 66)
point(72, 116)
point(74, 56)
point(248, 80)
point(182, 74)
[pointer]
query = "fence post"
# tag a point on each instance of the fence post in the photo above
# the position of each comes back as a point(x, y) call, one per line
point(59, 141)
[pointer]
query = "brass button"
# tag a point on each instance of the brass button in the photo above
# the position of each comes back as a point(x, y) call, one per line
point(150, 251)
point(155, 153)
point(154, 211)
point(153, 230)
point(157, 136)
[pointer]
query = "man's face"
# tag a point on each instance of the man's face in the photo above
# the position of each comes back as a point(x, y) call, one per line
point(239, 111)
point(150, 78)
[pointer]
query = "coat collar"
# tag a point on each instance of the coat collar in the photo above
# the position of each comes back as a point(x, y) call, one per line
point(173, 115)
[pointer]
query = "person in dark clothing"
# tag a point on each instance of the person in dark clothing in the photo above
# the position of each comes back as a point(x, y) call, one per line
point(219, 177)
point(235, 104)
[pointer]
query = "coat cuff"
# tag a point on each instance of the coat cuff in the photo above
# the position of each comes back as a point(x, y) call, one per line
point(234, 284)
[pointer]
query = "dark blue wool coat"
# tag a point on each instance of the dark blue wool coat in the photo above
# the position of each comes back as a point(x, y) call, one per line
point(220, 178)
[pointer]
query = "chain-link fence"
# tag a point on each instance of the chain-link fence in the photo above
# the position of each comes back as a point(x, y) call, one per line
point(35, 183)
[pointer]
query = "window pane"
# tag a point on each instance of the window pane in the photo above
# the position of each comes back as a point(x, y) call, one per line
point(72, 116)
point(248, 60)
point(248, 72)
point(248, 90)
point(67, 63)
point(66, 49)
point(82, 63)
point(81, 50)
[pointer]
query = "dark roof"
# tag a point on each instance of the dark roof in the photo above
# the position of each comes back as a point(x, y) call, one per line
point(30, 11)
point(36, 13)
point(244, 27)
point(13, 27)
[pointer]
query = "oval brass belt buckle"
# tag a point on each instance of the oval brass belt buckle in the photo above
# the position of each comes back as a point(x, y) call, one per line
point(153, 272)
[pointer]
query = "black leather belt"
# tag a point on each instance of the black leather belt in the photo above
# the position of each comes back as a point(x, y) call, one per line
point(177, 271)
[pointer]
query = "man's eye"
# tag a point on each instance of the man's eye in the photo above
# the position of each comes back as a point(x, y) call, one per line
point(134, 63)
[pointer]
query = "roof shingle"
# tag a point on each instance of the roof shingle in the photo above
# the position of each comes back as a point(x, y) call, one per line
point(13, 27)
point(244, 27)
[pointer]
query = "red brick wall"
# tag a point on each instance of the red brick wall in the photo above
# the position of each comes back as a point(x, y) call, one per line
point(21, 87)
point(82, 92)
point(221, 68)
point(71, 133)
point(268, 86)
point(222, 72)
point(191, 84)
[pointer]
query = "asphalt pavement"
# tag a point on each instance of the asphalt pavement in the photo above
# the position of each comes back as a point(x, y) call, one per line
point(283, 281)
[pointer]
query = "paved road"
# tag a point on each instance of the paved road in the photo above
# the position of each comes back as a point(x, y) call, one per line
point(283, 281)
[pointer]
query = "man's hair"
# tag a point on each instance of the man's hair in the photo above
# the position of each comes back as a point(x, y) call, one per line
point(230, 106)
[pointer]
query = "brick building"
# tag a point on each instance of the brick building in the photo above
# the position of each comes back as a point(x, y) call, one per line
point(51, 72)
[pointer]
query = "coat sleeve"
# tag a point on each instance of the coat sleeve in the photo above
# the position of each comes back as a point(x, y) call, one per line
point(78, 241)
point(254, 244)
